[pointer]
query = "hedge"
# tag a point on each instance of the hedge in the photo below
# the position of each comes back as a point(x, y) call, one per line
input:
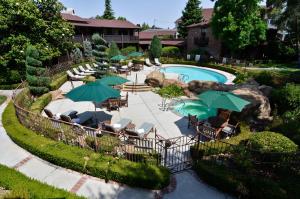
point(41, 103)
point(9, 87)
point(21, 186)
point(58, 82)
point(84, 160)
point(237, 183)
point(2, 99)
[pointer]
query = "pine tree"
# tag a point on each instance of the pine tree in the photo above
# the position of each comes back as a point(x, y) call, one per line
point(35, 73)
point(113, 50)
point(99, 51)
point(108, 12)
point(191, 14)
point(87, 49)
point(76, 55)
point(155, 47)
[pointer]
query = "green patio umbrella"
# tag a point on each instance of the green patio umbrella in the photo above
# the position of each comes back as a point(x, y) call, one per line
point(93, 92)
point(118, 58)
point(223, 100)
point(112, 80)
point(135, 54)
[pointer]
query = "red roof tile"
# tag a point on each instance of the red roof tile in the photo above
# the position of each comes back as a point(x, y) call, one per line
point(101, 23)
point(164, 42)
point(207, 14)
point(149, 34)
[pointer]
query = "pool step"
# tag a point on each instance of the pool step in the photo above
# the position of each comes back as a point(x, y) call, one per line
point(136, 88)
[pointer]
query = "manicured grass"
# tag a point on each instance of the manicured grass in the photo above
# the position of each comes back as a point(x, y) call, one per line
point(21, 186)
point(84, 160)
point(2, 99)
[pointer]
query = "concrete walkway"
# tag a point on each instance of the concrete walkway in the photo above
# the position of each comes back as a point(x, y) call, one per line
point(187, 185)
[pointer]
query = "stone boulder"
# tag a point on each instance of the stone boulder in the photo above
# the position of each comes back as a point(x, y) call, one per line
point(198, 87)
point(155, 79)
point(168, 82)
point(266, 90)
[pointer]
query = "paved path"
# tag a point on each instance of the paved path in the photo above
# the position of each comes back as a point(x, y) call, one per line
point(11, 155)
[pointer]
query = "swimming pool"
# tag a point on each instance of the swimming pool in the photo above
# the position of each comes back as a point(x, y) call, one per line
point(194, 107)
point(190, 73)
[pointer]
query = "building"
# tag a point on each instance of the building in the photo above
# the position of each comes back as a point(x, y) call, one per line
point(119, 31)
point(168, 37)
point(200, 35)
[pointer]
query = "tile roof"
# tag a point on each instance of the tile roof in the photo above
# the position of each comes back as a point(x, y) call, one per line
point(207, 14)
point(164, 42)
point(150, 33)
point(101, 23)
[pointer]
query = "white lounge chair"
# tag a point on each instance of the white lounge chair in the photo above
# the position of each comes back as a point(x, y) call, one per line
point(95, 65)
point(188, 57)
point(156, 61)
point(74, 77)
point(142, 131)
point(86, 71)
point(119, 126)
point(224, 60)
point(130, 64)
point(197, 58)
point(148, 63)
point(89, 67)
point(79, 73)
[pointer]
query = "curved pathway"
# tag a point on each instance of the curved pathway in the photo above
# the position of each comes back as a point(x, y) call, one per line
point(13, 156)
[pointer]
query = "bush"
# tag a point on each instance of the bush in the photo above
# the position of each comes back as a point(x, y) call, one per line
point(171, 91)
point(170, 51)
point(76, 55)
point(21, 186)
point(266, 142)
point(99, 50)
point(113, 50)
point(87, 49)
point(41, 102)
point(2, 99)
point(128, 50)
point(58, 82)
point(155, 48)
point(84, 160)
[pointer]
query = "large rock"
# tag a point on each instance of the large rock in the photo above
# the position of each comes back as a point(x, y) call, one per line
point(200, 86)
point(155, 79)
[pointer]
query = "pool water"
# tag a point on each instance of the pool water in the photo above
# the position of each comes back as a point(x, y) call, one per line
point(195, 107)
point(194, 73)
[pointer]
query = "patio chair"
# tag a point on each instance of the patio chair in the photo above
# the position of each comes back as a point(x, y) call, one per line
point(85, 71)
point(197, 58)
point(124, 102)
point(79, 119)
point(89, 67)
point(156, 61)
point(193, 121)
point(113, 104)
point(117, 127)
point(72, 114)
point(188, 57)
point(224, 60)
point(79, 73)
point(230, 129)
point(148, 63)
point(73, 77)
point(142, 131)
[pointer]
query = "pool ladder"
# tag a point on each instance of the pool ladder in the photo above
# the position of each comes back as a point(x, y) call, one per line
point(183, 77)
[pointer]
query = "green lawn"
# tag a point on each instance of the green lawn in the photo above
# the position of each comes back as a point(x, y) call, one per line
point(2, 99)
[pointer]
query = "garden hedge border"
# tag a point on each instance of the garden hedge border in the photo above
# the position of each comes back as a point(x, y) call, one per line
point(22, 186)
point(84, 160)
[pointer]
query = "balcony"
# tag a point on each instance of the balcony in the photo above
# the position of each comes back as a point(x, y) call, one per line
point(201, 41)
point(109, 38)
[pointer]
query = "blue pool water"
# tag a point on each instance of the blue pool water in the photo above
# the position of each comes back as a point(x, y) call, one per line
point(194, 73)
point(195, 107)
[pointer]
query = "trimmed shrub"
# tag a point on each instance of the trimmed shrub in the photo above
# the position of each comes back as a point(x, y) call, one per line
point(99, 50)
point(41, 102)
point(2, 99)
point(76, 55)
point(155, 48)
point(36, 74)
point(87, 49)
point(266, 142)
point(84, 160)
point(128, 50)
point(21, 186)
point(113, 50)
point(58, 82)
point(170, 51)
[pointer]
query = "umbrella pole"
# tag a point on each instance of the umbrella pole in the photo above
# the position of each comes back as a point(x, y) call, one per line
point(95, 114)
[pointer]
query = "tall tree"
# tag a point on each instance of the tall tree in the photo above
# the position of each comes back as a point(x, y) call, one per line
point(238, 23)
point(113, 50)
point(155, 47)
point(288, 19)
point(87, 49)
point(122, 18)
point(99, 51)
point(191, 14)
point(108, 12)
point(145, 26)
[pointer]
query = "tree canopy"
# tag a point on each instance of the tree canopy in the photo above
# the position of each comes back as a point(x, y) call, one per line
point(238, 23)
point(113, 50)
point(145, 26)
point(38, 23)
point(191, 14)
point(108, 12)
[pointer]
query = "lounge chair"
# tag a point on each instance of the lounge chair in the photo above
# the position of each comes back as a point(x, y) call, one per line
point(197, 58)
point(188, 57)
point(95, 65)
point(156, 61)
point(224, 60)
point(86, 71)
point(148, 63)
point(74, 77)
point(89, 67)
point(117, 127)
point(79, 73)
point(79, 119)
point(113, 104)
point(142, 131)
point(72, 114)
point(230, 129)
point(124, 102)
point(193, 121)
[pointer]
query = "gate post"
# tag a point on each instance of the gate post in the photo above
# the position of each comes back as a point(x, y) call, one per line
point(166, 146)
